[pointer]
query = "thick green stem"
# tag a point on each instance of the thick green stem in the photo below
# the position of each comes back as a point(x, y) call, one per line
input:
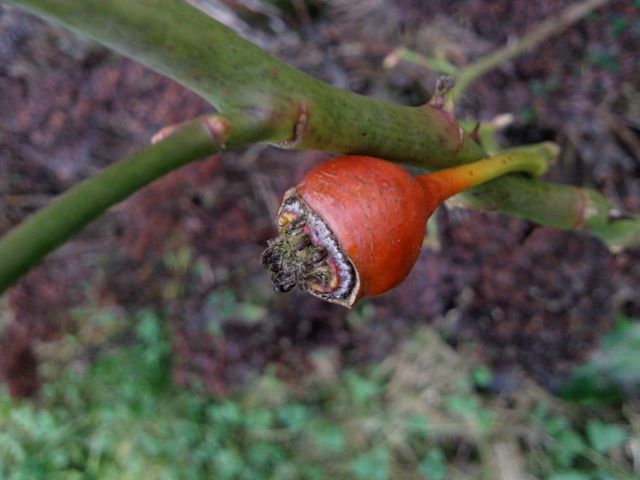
point(183, 43)
point(28, 243)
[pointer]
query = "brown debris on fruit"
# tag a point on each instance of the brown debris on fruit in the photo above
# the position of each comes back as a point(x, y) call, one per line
point(306, 255)
point(293, 260)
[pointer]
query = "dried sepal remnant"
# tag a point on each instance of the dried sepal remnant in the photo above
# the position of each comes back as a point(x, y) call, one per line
point(306, 255)
point(293, 260)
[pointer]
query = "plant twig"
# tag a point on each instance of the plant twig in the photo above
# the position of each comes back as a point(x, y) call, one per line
point(470, 73)
point(526, 43)
point(439, 65)
point(28, 243)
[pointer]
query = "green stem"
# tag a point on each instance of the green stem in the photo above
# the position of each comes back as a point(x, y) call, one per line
point(526, 43)
point(185, 44)
point(467, 75)
point(28, 243)
point(575, 208)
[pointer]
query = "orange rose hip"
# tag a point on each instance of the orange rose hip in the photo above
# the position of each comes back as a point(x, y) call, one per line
point(354, 226)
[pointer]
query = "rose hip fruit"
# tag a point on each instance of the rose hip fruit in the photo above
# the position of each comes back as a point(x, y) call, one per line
point(355, 225)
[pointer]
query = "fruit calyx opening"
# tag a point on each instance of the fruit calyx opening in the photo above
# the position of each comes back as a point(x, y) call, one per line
point(307, 255)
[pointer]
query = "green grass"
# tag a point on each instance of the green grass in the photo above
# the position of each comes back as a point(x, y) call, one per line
point(417, 415)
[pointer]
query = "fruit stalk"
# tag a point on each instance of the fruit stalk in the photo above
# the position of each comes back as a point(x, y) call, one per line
point(445, 183)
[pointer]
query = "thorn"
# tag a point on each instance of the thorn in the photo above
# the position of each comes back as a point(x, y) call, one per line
point(217, 126)
point(219, 129)
point(164, 133)
point(474, 135)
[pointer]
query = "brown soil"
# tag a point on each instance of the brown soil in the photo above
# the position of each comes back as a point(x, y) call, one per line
point(531, 298)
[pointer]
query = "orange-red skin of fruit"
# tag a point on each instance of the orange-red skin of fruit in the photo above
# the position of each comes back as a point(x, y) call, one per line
point(377, 212)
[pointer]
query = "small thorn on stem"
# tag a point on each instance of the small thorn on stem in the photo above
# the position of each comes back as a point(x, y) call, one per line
point(165, 132)
point(217, 126)
point(475, 133)
point(219, 129)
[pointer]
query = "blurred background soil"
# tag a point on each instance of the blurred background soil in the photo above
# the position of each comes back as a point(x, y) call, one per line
point(534, 301)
